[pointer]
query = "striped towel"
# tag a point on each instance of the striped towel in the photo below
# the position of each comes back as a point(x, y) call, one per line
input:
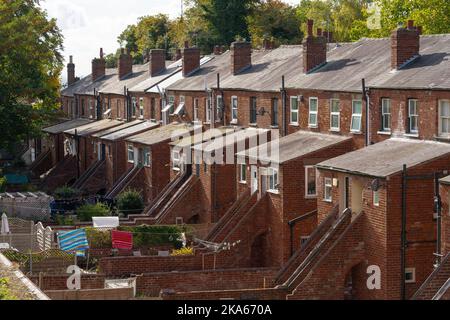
point(73, 241)
point(122, 240)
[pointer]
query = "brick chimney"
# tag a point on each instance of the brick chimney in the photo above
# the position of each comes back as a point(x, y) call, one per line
point(191, 60)
point(125, 64)
point(314, 49)
point(405, 45)
point(98, 67)
point(157, 61)
point(241, 56)
point(71, 72)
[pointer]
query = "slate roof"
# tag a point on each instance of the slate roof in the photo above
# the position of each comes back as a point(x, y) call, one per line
point(388, 157)
point(94, 127)
point(67, 125)
point(293, 146)
point(161, 134)
point(124, 133)
point(85, 86)
point(117, 128)
point(204, 136)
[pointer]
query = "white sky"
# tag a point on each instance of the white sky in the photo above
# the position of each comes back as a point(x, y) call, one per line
point(88, 25)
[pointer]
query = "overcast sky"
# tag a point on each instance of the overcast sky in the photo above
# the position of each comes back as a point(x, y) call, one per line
point(88, 25)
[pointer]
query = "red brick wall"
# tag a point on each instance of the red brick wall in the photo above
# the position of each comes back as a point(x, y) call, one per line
point(445, 196)
point(59, 282)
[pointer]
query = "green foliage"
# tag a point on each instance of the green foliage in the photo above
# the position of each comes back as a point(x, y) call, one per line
point(150, 236)
point(130, 202)
point(5, 293)
point(66, 193)
point(62, 220)
point(87, 211)
point(275, 20)
point(183, 252)
point(30, 64)
point(3, 183)
point(98, 239)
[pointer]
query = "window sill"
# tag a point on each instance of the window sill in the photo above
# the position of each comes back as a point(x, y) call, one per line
point(294, 124)
point(233, 122)
point(442, 138)
point(274, 127)
point(356, 132)
point(385, 133)
point(243, 182)
point(327, 201)
point(311, 197)
point(274, 191)
point(335, 130)
point(412, 135)
point(253, 125)
point(313, 126)
point(176, 169)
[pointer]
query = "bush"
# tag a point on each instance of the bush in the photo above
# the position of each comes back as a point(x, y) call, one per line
point(66, 193)
point(130, 202)
point(150, 236)
point(87, 211)
point(98, 239)
point(3, 183)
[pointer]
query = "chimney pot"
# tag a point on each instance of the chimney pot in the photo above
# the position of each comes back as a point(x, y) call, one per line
point(410, 24)
point(314, 50)
point(98, 67)
point(101, 53)
point(71, 72)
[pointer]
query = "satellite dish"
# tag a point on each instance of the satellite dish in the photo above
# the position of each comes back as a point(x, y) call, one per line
point(375, 185)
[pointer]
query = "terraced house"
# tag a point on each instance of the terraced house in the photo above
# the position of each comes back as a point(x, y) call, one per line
point(351, 176)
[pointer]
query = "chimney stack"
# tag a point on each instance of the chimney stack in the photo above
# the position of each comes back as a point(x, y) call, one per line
point(98, 67)
point(241, 56)
point(157, 61)
point(125, 63)
point(191, 60)
point(405, 45)
point(71, 72)
point(314, 49)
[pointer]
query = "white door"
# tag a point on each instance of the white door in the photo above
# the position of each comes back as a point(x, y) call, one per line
point(254, 173)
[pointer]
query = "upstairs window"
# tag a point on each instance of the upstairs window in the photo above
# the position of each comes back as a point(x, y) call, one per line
point(356, 124)
point(253, 110)
point(444, 118)
point(118, 108)
point(243, 173)
point(195, 103)
point(152, 108)
point(313, 112)
point(219, 108)
point(376, 198)
point(208, 110)
point(335, 116)
point(310, 182)
point(413, 116)
point(234, 109)
point(275, 112)
point(172, 104)
point(147, 158)
point(130, 153)
point(386, 115)
point(272, 174)
point(133, 106)
point(328, 190)
point(141, 108)
point(176, 160)
point(294, 110)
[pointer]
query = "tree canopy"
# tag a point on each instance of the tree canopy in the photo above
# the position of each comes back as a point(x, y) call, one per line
point(30, 68)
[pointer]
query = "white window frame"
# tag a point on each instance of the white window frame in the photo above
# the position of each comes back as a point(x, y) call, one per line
point(413, 115)
point(335, 114)
point(444, 134)
point(313, 113)
point(130, 152)
point(376, 198)
point(255, 100)
point(310, 196)
point(219, 102)
point(208, 110)
point(234, 109)
point(176, 160)
point(272, 182)
point(413, 272)
point(172, 104)
point(195, 103)
point(275, 111)
point(243, 173)
point(294, 111)
point(134, 106)
point(328, 185)
point(141, 108)
point(356, 115)
point(386, 114)
point(147, 161)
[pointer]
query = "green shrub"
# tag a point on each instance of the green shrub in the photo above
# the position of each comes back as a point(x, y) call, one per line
point(66, 193)
point(3, 183)
point(87, 211)
point(98, 239)
point(130, 202)
point(149, 236)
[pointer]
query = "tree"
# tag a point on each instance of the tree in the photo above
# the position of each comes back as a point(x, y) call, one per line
point(276, 20)
point(130, 202)
point(30, 64)
point(227, 19)
point(152, 33)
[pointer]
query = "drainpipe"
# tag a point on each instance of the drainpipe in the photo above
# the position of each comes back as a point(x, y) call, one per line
point(77, 141)
point(438, 208)
point(222, 107)
point(283, 106)
point(367, 101)
point(404, 242)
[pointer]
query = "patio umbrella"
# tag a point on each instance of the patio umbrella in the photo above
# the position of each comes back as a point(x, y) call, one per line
point(5, 225)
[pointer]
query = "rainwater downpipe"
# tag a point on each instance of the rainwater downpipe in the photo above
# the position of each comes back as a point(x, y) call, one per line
point(283, 106)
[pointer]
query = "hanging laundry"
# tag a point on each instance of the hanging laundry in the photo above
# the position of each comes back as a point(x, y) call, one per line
point(122, 240)
point(73, 241)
